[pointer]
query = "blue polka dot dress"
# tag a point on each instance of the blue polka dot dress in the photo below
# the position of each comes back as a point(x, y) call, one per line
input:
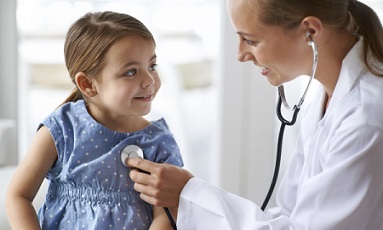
point(89, 186)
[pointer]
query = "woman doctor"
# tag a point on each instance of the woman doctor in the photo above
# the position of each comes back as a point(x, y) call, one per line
point(335, 178)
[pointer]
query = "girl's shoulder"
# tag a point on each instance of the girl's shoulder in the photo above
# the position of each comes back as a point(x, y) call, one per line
point(74, 108)
point(157, 126)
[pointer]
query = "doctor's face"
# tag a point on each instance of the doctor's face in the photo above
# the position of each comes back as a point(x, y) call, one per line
point(280, 54)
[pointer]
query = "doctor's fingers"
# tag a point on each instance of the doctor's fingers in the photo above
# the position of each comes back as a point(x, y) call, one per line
point(156, 200)
point(140, 177)
point(157, 181)
point(144, 186)
point(141, 164)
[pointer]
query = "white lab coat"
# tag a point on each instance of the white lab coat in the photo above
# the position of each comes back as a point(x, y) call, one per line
point(335, 178)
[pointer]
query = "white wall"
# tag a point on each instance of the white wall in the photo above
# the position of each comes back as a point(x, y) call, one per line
point(8, 76)
point(247, 113)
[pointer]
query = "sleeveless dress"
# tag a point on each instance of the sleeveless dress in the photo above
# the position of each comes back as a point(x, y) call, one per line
point(89, 186)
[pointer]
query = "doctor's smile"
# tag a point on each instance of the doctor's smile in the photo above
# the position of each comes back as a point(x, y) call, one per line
point(264, 70)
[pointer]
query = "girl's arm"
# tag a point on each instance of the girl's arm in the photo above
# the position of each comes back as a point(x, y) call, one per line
point(27, 180)
point(160, 219)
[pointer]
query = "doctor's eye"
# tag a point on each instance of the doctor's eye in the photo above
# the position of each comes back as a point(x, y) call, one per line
point(130, 72)
point(153, 67)
point(249, 42)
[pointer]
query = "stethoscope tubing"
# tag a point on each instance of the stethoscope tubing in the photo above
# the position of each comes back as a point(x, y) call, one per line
point(170, 217)
point(284, 122)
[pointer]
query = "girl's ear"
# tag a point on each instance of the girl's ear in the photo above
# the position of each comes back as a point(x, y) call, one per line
point(85, 84)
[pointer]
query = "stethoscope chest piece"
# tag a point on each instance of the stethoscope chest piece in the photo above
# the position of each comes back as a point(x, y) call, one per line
point(131, 151)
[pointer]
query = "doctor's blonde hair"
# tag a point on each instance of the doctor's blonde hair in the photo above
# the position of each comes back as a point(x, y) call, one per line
point(89, 39)
point(351, 15)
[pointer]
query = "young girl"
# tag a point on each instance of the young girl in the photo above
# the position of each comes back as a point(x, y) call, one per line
point(112, 61)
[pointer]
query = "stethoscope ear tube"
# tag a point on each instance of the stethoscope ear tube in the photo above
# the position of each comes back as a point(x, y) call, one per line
point(281, 89)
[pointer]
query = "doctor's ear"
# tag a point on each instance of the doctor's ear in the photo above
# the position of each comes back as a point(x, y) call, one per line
point(312, 26)
point(85, 84)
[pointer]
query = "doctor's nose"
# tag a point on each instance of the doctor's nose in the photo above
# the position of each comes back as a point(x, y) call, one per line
point(244, 55)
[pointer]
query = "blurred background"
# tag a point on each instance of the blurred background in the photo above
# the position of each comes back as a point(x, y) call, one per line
point(221, 112)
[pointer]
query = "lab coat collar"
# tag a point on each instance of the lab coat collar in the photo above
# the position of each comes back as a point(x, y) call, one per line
point(351, 69)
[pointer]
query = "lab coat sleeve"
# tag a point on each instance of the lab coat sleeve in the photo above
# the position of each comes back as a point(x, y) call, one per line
point(347, 194)
point(204, 206)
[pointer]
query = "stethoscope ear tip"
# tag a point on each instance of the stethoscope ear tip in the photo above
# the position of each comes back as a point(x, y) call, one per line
point(131, 151)
point(310, 39)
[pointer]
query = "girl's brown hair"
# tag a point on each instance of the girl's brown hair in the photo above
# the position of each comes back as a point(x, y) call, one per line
point(89, 39)
point(350, 15)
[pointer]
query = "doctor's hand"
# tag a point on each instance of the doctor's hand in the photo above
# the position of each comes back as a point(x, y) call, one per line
point(158, 184)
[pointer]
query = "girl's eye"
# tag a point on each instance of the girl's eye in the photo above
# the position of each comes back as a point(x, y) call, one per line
point(130, 72)
point(153, 67)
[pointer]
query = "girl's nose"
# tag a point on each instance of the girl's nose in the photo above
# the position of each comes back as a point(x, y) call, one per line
point(148, 80)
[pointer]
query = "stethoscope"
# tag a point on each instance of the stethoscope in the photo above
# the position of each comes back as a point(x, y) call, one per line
point(284, 122)
point(133, 151)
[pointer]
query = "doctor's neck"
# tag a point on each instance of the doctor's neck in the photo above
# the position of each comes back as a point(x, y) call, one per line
point(333, 46)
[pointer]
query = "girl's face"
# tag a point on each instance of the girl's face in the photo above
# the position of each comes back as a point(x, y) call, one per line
point(129, 81)
point(281, 54)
